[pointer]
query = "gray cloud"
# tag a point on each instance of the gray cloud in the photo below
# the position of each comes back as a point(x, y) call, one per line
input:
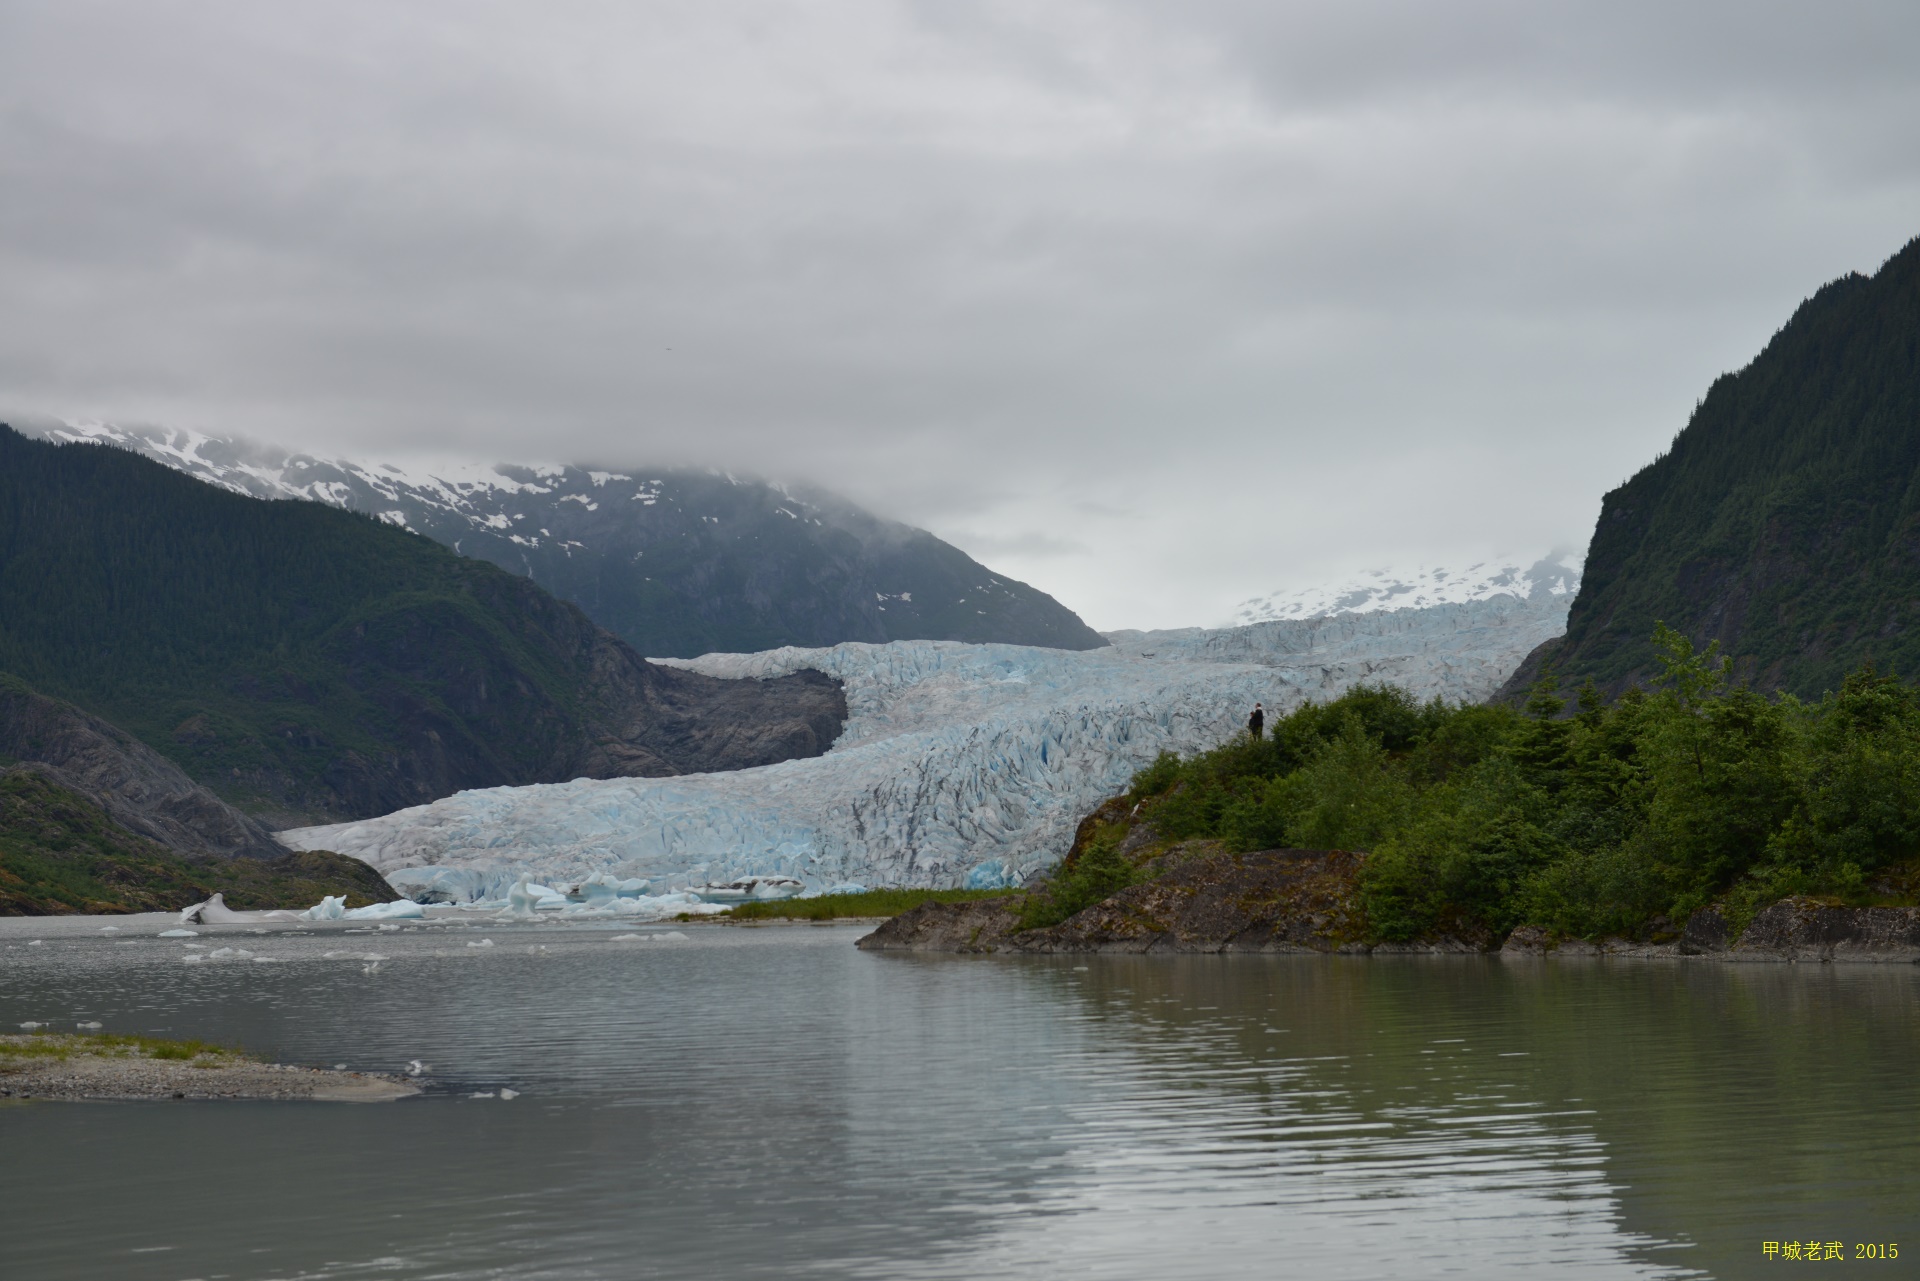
point(1158, 306)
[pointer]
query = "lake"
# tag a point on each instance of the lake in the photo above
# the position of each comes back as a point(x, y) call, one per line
point(770, 1102)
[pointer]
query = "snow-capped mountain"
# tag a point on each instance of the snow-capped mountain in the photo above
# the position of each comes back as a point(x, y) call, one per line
point(959, 764)
point(1555, 576)
point(676, 562)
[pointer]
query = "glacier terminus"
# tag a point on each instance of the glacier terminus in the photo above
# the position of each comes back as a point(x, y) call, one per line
point(960, 764)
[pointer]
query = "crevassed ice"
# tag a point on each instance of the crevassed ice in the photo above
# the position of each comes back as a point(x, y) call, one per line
point(960, 764)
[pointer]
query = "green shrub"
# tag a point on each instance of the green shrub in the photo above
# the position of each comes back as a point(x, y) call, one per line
point(1100, 872)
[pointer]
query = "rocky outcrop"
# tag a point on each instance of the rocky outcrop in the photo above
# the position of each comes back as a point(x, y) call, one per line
point(1805, 929)
point(138, 788)
point(1307, 901)
point(1269, 901)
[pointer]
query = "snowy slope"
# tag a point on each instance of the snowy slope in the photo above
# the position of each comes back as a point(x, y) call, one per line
point(675, 562)
point(1554, 576)
point(960, 764)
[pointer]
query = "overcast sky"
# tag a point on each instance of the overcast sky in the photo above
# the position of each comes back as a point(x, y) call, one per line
point(1155, 305)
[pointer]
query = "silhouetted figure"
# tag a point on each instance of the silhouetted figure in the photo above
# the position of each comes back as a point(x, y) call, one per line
point(1257, 723)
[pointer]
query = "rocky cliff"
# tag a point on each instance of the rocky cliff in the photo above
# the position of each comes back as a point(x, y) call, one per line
point(139, 789)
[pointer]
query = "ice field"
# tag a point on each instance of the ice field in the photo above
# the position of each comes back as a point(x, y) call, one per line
point(959, 765)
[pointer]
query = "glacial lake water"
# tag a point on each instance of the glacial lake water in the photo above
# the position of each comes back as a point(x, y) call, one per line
point(773, 1103)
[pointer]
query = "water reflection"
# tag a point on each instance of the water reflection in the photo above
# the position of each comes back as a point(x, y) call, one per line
point(771, 1102)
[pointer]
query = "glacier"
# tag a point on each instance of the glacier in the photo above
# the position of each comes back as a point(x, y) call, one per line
point(960, 764)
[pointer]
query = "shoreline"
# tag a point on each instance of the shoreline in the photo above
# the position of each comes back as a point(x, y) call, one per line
point(1306, 901)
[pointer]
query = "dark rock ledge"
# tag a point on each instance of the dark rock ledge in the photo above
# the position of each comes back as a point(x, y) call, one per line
point(1280, 901)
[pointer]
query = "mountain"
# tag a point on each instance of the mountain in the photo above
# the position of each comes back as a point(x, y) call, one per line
point(676, 563)
point(306, 662)
point(1784, 522)
point(1554, 576)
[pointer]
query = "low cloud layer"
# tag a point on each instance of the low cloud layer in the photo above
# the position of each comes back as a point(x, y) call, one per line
point(1156, 306)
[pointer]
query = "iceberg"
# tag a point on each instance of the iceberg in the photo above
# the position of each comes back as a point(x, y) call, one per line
point(960, 764)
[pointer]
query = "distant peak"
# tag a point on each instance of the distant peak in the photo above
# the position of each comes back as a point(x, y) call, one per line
point(1374, 590)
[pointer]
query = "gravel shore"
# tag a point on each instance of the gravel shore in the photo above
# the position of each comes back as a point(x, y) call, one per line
point(83, 1067)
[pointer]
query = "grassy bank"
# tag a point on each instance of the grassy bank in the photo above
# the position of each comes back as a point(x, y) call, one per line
point(64, 1046)
point(830, 907)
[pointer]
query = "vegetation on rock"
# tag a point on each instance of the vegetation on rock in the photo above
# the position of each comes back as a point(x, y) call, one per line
point(1621, 819)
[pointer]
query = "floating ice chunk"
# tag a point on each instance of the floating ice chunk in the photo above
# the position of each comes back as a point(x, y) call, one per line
point(482, 943)
point(633, 887)
point(521, 898)
point(626, 938)
point(30, 1025)
point(90, 1027)
point(481, 1094)
point(331, 907)
point(749, 889)
point(109, 929)
point(670, 936)
point(598, 890)
point(216, 912)
point(509, 1094)
point(398, 910)
point(179, 934)
point(36, 943)
point(416, 1068)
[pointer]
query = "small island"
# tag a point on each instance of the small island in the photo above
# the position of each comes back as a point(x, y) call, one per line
point(62, 1066)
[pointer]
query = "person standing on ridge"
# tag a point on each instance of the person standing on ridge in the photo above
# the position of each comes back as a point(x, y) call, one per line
point(1257, 722)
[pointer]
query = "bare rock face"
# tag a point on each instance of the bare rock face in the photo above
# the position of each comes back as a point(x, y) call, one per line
point(1805, 929)
point(980, 926)
point(139, 789)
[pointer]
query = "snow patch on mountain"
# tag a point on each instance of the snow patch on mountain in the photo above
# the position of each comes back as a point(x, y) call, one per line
point(1556, 575)
point(959, 764)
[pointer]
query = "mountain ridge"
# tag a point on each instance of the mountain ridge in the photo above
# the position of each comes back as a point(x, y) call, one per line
point(677, 562)
point(306, 662)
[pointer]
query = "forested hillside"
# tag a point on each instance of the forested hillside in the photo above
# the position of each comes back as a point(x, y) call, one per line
point(1784, 523)
point(307, 662)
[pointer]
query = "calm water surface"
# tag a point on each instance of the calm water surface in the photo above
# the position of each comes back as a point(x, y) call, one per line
point(772, 1103)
